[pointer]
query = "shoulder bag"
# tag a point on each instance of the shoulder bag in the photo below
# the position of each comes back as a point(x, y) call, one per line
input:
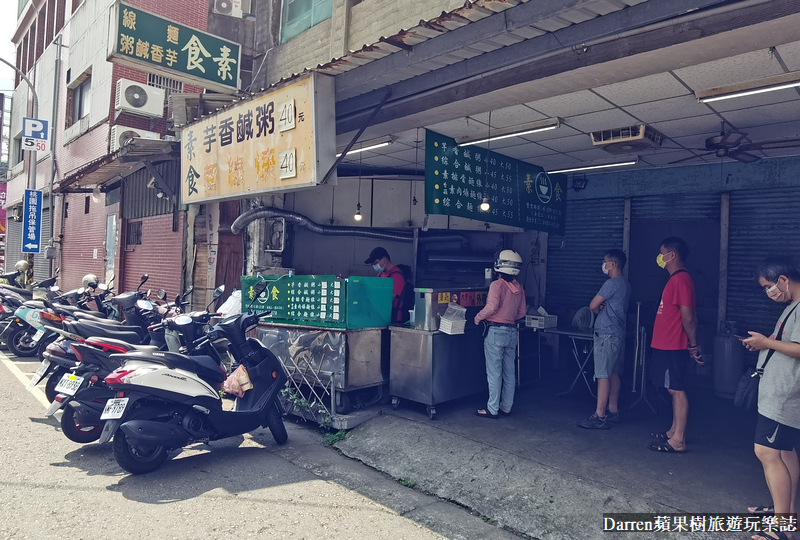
point(747, 392)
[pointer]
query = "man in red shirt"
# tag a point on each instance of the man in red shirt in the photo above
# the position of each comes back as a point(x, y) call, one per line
point(674, 342)
point(382, 263)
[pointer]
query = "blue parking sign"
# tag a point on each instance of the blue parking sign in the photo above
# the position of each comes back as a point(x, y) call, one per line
point(32, 221)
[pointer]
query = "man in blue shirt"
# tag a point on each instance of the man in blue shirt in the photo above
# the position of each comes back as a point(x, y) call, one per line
point(611, 307)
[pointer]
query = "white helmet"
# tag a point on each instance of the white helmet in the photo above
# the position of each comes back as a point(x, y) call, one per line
point(90, 278)
point(21, 266)
point(508, 262)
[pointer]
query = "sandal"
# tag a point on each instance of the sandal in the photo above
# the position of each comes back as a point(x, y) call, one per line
point(504, 413)
point(486, 414)
point(659, 436)
point(762, 510)
point(766, 536)
point(665, 447)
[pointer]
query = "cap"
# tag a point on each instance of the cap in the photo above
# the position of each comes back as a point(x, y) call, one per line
point(375, 254)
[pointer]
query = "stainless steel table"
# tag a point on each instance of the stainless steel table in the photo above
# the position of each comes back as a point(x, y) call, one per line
point(577, 334)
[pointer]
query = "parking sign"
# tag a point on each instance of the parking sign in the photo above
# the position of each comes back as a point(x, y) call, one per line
point(32, 221)
point(35, 135)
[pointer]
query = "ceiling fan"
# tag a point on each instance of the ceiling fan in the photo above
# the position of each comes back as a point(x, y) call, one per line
point(730, 144)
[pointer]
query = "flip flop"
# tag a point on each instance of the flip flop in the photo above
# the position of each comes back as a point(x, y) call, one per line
point(660, 436)
point(781, 535)
point(665, 447)
point(483, 413)
point(504, 413)
point(763, 511)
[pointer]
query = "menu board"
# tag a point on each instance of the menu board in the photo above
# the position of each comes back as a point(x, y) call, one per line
point(299, 298)
point(520, 194)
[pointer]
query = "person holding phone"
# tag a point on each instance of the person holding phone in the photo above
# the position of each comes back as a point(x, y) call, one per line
point(778, 426)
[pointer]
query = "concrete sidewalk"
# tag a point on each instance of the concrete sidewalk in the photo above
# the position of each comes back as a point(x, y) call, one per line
point(539, 475)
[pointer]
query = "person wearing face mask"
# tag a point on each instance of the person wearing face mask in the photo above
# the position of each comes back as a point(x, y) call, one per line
point(611, 307)
point(382, 264)
point(674, 333)
point(778, 425)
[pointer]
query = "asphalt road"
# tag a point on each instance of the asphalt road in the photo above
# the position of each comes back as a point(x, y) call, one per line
point(241, 487)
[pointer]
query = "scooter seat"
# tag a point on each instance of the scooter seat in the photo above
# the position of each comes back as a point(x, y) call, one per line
point(35, 304)
point(205, 366)
point(22, 292)
point(100, 341)
point(114, 326)
point(88, 329)
point(75, 310)
point(92, 316)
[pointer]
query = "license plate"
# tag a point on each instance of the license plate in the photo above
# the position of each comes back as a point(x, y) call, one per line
point(69, 384)
point(114, 409)
point(38, 335)
point(39, 374)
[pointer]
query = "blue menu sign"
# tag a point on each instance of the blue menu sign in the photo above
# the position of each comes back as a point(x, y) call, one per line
point(32, 222)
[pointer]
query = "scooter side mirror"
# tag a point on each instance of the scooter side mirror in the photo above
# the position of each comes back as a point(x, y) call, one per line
point(102, 286)
point(145, 277)
point(258, 290)
point(188, 291)
point(219, 291)
point(54, 288)
point(81, 291)
point(162, 294)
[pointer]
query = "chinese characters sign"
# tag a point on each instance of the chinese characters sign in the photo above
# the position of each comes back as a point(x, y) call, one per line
point(299, 298)
point(279, 141)
point(31, 221)
point(519, 194)
point(154, 44)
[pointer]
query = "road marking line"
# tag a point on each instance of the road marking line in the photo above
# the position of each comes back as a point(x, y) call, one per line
point(38, 394)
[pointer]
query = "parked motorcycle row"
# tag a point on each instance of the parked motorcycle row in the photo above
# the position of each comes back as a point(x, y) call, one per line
point(153, 382)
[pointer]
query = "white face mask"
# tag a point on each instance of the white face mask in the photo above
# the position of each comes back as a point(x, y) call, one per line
point(377, 267)
point(605, 268)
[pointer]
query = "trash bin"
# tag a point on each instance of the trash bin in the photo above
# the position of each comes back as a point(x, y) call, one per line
point(728, 364)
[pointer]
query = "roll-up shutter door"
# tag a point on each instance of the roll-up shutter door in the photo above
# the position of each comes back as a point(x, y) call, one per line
point(573, 261)
point(762, 222)
point(41, 266)
point(13, 243)
point(676, 207)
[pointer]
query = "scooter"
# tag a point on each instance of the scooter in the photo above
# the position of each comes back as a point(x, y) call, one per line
point(165, 400)
point(25, 331)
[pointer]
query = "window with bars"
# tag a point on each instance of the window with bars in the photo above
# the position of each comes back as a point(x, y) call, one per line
point(170, 86)
point(133, 236)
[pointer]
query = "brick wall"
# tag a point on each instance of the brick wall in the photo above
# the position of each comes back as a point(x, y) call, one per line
point(159, 255)
point(83, 233)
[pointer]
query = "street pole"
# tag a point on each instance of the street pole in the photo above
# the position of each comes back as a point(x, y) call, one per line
point(56, 87)
point(32, 170)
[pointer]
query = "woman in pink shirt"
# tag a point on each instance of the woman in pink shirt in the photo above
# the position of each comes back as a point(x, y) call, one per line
point(505, 304)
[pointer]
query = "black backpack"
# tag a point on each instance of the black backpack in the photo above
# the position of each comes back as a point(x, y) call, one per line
point(407, 296)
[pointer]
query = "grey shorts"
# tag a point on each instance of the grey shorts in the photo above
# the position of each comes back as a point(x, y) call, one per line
point(609, 355)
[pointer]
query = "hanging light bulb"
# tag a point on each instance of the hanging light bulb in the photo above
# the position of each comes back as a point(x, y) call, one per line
point(358, 215)
point(485, 204)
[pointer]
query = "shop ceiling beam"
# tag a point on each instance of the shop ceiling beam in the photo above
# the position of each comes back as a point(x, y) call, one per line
point(618, 35)
point(455, 40)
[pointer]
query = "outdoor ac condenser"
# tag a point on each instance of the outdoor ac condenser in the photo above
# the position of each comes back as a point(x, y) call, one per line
point(120, 134)
point(139, 99)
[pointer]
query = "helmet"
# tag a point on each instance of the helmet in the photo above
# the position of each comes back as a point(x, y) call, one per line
point(90, 278)
point(507, 262)
point(21, 266)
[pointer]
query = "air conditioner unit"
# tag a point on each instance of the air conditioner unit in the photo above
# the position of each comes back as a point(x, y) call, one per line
point(139, 99)
point(628, 140)
point(120, 134)
point(232, 8)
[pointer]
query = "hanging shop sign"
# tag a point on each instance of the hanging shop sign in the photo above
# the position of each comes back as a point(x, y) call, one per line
point(457, 178)
point(145, 41)
point(282, 140)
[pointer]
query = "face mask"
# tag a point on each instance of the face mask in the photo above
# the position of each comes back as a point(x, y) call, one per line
point(776, 294)
point(377, 267)
point(661, 262)
point(605, 268)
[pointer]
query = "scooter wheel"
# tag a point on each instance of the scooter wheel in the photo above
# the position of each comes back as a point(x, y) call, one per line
point(19, 342)
point(78, 433)
point(50, 387)
point(137, 459)
point(275, 424)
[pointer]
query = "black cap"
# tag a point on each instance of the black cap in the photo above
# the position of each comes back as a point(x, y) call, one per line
point(375, 254)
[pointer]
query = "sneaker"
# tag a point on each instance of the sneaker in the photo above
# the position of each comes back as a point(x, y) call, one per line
point(594, 422)
point(613, 417)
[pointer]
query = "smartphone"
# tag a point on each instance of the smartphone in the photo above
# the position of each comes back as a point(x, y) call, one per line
point(741, 337)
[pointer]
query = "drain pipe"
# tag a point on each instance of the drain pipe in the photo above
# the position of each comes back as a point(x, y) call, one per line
point(298, 219)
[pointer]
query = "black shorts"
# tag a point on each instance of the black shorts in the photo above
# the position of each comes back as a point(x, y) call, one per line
point(668, 369)
point(773, 434)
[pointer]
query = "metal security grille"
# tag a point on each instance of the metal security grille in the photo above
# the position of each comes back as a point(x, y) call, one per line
point(762, 222)
point(592, 228)
point(133, 236)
